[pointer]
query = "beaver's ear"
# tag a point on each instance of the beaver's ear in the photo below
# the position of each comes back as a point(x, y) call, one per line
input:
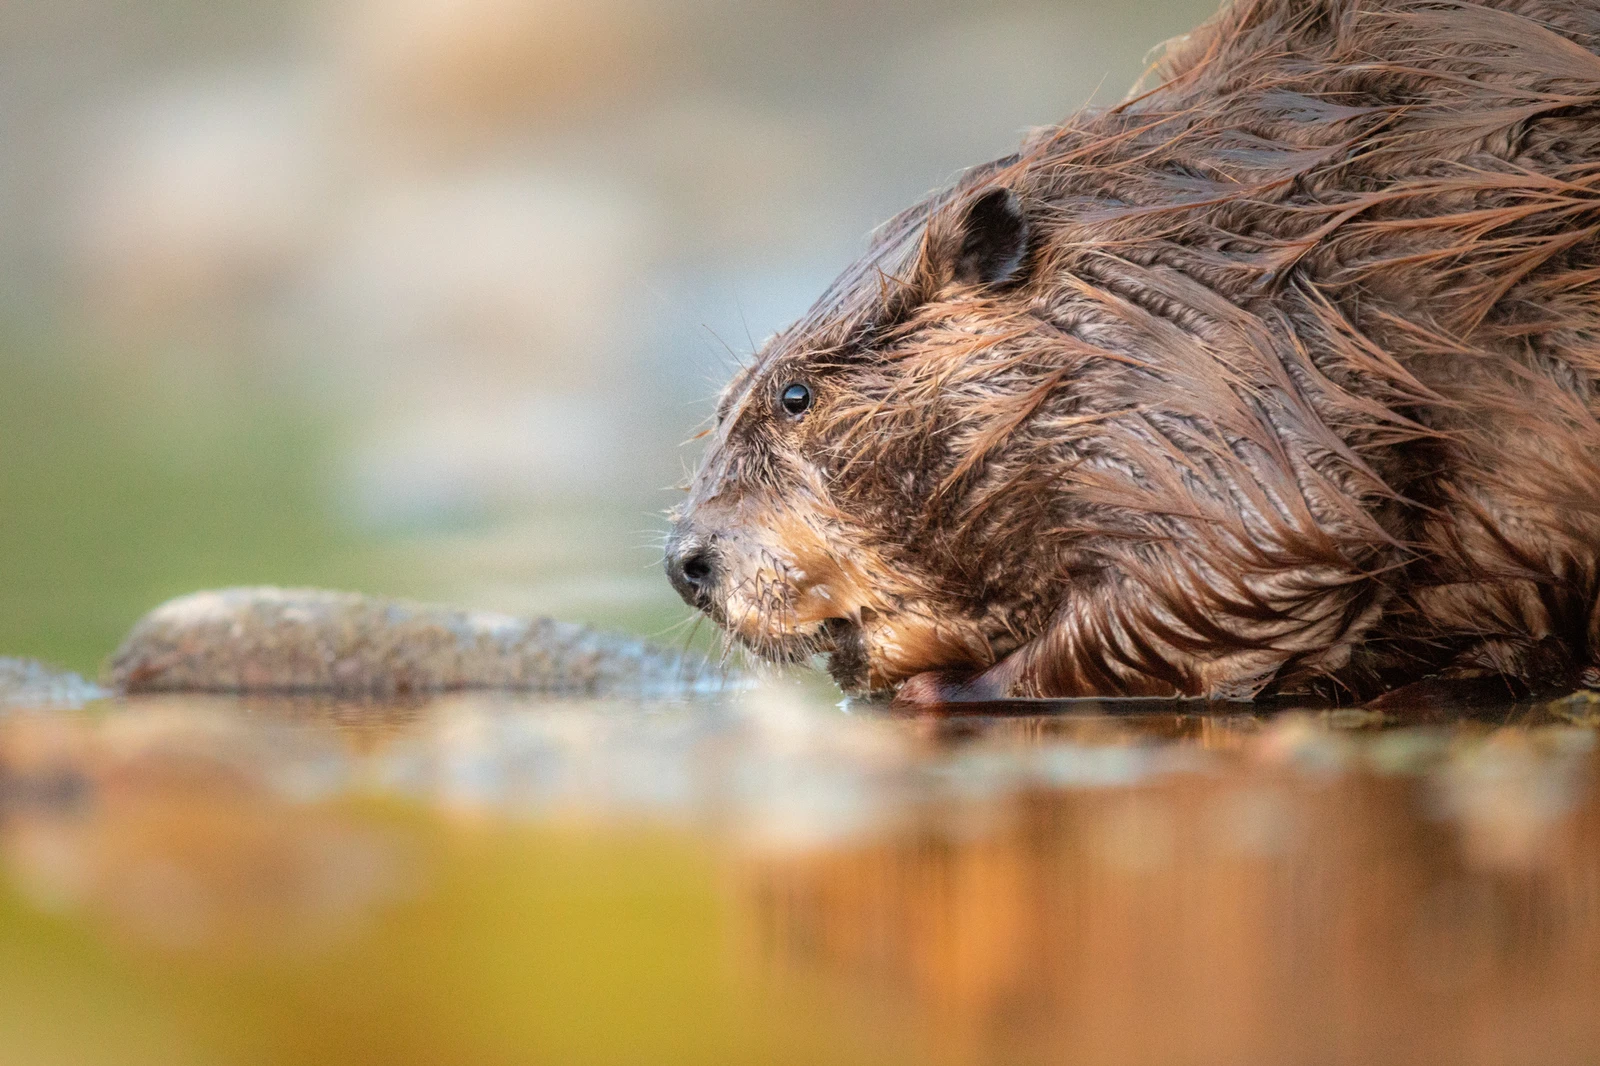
point(994, 240)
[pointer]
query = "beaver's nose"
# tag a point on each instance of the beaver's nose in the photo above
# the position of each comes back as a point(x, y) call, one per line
point(692, 569)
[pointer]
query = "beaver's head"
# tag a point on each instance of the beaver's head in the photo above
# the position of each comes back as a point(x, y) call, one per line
point(863, 471)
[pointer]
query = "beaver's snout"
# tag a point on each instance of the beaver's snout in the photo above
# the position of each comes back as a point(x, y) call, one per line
point(692, 567)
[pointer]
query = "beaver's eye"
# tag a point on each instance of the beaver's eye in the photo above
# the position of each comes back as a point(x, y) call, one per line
point(796, 398)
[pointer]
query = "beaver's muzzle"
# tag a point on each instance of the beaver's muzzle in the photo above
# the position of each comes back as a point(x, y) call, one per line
point(692, 567)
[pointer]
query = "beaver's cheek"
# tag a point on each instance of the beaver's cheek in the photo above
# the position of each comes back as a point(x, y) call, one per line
point(829, 589)
point(818, 604)
point(833, 597)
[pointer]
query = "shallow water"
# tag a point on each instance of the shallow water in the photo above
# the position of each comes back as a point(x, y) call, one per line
point(771, 878)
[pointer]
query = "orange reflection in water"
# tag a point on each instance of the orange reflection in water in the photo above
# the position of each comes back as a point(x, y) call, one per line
point(1313, 897)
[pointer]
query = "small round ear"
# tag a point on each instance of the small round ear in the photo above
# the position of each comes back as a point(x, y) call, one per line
point(994, 240)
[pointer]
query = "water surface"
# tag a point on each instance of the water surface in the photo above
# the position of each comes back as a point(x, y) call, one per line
point(771, 878)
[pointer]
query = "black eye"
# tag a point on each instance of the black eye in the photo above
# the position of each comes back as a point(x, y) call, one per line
point(796, 398)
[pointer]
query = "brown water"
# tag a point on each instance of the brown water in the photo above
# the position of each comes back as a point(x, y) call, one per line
point(770, 879)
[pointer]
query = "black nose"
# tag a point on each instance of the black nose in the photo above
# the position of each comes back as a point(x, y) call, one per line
point(692, 570)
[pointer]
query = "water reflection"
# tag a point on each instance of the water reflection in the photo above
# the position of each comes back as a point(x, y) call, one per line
point(768, 878)
point(1296, 901)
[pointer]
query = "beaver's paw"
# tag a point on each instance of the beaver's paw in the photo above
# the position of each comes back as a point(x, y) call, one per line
point(945, 686)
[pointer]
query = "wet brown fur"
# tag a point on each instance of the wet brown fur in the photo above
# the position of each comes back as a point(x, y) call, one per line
point(1297, 388)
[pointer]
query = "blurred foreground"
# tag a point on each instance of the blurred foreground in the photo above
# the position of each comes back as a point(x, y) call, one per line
point(767, 879)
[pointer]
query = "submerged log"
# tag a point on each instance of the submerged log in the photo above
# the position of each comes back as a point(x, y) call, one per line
point(344, 644)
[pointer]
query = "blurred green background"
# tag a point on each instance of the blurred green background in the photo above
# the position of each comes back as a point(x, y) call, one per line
point(420, 297)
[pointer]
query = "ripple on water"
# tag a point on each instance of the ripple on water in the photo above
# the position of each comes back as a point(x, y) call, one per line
point(27, 683)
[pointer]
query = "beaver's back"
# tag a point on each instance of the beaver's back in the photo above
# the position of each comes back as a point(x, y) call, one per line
point(1409, 193)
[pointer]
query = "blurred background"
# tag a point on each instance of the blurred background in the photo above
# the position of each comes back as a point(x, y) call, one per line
point(422, 297)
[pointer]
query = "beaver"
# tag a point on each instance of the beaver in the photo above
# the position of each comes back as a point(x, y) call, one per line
point(1279, 377)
